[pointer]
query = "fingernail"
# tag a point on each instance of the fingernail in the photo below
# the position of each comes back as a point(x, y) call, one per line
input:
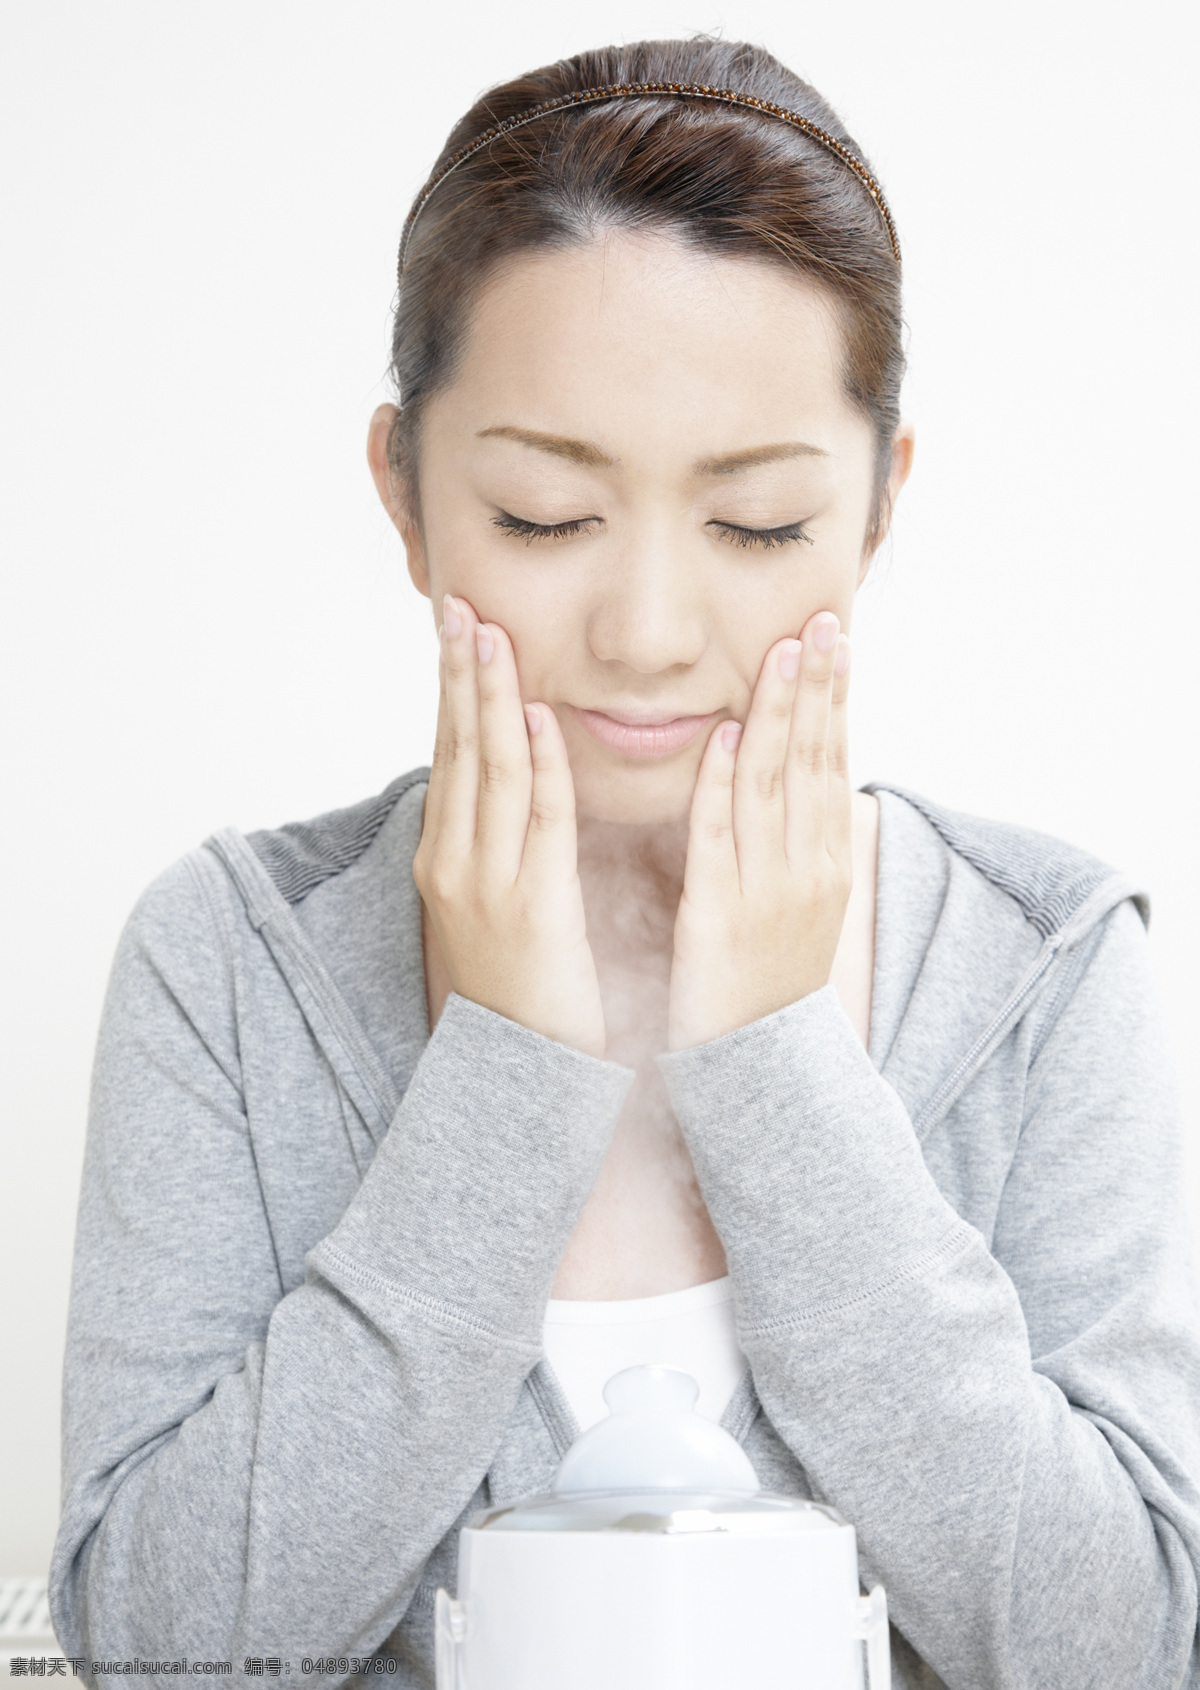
point(825, 633)
point(484, 644)
point(789, 660)
point(730, 734)
point(842, 661)
point(451, 618)
point(534, 719)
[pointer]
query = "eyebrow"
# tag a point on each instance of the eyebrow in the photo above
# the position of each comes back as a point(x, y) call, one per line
point(584, 452)
point(732, 462)
point(558, 445)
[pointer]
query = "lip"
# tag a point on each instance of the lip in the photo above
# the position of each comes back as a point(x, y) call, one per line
point(643, 736)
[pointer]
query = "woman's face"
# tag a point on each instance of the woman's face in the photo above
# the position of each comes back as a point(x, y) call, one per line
point(647, 472)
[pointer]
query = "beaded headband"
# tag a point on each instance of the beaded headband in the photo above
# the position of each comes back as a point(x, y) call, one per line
point(616, 91)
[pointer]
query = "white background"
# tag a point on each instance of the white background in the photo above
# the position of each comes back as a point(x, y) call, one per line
point(206, 617)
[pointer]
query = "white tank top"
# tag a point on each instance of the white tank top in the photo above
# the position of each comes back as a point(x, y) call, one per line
point(693, 1330)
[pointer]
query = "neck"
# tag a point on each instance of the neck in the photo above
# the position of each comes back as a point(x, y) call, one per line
point(650, 855)
point(632, 880)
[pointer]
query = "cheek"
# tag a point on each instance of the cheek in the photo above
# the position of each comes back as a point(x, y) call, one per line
point(508, 597)
point(752, 613)
point(548, 629)
point(462, 560)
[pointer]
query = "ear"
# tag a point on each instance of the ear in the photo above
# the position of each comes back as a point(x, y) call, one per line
point(393, 497)
point(903, 447)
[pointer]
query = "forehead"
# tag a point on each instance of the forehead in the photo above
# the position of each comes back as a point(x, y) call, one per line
point(642, 343)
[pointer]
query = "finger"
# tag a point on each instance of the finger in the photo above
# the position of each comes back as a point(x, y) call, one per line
point(807, 773)
point(437, 767)
point(551, 846)
point(837, 825)
point(460, 787)
point(505, 769)
point(759, 812)
point(712, 854)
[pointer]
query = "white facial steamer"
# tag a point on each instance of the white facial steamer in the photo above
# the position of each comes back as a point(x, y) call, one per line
point(657, 1563)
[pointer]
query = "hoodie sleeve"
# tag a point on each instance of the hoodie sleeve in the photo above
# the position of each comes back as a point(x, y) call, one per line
point(248, 1473)
point(1014, 1431)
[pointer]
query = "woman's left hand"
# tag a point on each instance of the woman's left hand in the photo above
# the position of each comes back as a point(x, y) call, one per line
point(768, 867)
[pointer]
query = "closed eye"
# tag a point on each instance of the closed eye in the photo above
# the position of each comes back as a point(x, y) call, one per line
point(737, 535)
point(531, 531)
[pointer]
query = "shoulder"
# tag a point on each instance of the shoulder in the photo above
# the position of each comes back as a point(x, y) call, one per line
point(187, 911)
point(301, 856)
point(1056, 888)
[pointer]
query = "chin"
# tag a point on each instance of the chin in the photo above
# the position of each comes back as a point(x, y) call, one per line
point(646, 795)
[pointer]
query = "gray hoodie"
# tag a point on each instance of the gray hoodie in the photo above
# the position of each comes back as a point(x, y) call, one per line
point(315, 1246)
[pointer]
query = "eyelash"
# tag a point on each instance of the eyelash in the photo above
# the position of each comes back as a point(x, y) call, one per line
point(732, 531)
point(531, 531)
point(765, 537)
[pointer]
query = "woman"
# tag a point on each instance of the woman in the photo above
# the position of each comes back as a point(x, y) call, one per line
point(629, 1003)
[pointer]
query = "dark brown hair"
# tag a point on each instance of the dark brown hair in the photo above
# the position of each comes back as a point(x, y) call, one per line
point(727, 180)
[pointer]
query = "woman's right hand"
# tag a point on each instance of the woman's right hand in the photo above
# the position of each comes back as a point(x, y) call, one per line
point(497, 867)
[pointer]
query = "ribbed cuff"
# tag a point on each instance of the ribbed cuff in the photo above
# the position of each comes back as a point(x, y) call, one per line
point(479, 1182)
point(807, 1161)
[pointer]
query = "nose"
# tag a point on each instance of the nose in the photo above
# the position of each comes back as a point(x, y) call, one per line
point(648, 613)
